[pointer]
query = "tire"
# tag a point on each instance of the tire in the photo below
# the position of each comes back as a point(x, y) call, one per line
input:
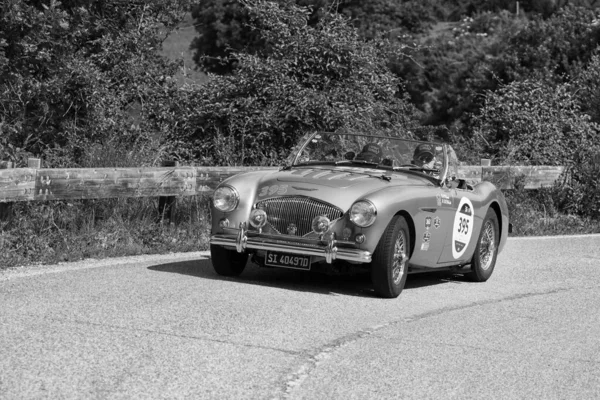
point(227, 262)
point(389, 266)
point(486, 252)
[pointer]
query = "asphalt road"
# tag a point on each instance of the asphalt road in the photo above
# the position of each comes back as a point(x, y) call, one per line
point(169, 327)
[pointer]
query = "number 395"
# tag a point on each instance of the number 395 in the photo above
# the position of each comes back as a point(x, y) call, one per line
point(463, 226)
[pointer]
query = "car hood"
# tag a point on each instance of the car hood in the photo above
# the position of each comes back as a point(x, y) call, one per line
point(340, 186)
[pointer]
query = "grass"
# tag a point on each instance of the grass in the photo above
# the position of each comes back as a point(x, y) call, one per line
point(59, 231)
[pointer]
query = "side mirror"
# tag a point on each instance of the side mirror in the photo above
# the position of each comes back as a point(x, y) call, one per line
point(350, 155)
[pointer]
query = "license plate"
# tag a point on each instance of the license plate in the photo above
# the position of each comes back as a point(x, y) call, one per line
point(285, 260)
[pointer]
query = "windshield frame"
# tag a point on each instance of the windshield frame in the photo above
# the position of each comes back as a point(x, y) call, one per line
point(443, 171)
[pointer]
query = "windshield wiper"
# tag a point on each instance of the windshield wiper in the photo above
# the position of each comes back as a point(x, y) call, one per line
point(303, 164)
point(361, 162)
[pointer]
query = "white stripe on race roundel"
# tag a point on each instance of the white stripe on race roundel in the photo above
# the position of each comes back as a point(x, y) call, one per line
point(462, 229)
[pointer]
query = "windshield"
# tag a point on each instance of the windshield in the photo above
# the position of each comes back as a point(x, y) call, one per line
point(373, 152)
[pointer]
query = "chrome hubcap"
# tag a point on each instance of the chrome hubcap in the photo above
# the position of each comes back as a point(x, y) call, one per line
point(399, 263)
point(487, 246)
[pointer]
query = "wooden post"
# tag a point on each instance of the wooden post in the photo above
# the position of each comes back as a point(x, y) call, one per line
point(5, 208)
point(166, 204)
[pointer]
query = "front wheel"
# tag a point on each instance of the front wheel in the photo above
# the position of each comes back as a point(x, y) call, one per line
point(484, 258)
point(389, 267)
point(227, 262)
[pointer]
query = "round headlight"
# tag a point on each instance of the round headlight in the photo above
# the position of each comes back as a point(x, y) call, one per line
point(225, 198)
point(363, 213)
point(258, 218)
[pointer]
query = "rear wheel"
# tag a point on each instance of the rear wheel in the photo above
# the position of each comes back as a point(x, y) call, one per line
point(389, 267)
point(484, 258)
point(227, 262)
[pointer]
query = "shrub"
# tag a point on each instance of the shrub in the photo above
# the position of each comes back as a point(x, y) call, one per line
point(306, 78)
point(71, 74)
point(533, 123)
point(552, 47)
point(579, 191)
point(586, 85)
point(447, 74)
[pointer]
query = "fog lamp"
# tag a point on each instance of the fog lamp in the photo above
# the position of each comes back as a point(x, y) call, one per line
point(360, 238)
point(320, 224)
point(258, 218)
point(224, 223)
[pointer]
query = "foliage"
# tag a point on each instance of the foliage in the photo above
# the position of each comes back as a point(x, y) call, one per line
point(586, 85)
point(306, 78)
point(533, 123)
point(552, 47)
point(449, 74)
point(579, 193)
point(224, 27)
point(537, 213)
point(536, 123)
point(71, 73)
point(388, 18)
point(58, 231)
point(446, 75)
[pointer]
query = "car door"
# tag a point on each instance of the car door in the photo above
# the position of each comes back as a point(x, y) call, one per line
point(432, 225)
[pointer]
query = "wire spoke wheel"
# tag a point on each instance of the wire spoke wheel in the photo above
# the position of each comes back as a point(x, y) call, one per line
point(399, 266)
point(488, 245)
point(484, 258)
point(389, 267)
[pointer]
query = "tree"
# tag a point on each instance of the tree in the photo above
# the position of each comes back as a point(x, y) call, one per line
point(552, 47)
point(71, 72)
point(534, 123)
point(389, 18)
point(224, 28)
point(224, 25)
point(306, 78)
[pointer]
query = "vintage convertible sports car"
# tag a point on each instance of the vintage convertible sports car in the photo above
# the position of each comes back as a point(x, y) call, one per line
point(393, 206)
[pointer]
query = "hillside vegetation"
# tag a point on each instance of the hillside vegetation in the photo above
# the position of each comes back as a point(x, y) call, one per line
point(87, 83)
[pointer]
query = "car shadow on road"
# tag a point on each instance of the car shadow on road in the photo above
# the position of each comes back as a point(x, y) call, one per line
point(353, 283)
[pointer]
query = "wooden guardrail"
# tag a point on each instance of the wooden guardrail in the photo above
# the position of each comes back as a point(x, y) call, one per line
point(36, 184)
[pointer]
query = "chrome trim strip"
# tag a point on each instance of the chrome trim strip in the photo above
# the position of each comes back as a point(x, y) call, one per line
point(314, 241)
point(330, 252)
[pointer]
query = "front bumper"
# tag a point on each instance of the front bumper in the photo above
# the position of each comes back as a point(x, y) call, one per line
point(242, 240)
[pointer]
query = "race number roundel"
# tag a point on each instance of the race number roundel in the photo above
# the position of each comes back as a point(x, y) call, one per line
point(463, 227)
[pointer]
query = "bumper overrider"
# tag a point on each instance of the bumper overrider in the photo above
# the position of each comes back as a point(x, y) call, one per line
point(241, 239)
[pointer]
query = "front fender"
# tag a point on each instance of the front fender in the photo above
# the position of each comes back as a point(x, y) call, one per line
point(392, 201)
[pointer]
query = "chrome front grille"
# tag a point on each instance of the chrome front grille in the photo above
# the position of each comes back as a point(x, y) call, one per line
point(297, 210)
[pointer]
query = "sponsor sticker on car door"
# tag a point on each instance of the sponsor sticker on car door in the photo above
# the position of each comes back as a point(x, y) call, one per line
point(463, 227)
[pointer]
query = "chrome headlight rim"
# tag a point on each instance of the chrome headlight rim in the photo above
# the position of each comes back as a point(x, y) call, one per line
point(231, 203)
point(365, 216)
